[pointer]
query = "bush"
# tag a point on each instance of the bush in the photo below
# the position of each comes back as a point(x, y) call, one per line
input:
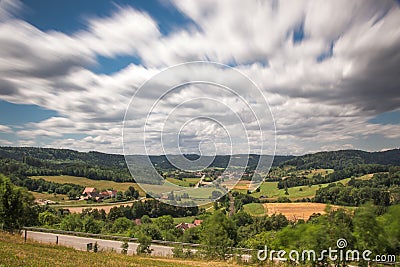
point(124, 247)
point(144, 244)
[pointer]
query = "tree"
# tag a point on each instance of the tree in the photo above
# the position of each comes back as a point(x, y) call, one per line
point(146, 219)
point(391, 224)
point(367, 230)
point(144, 244)
point(71, 222)
point(48, 218)
point(115, 212)
point(218, 235)
point(121, 225)
point(15, 204)
point(131, 193)
point(90, 225)
point(242, 218)
point(191, 235)
point(164, 223)
point(124, 248)
point(120, 196)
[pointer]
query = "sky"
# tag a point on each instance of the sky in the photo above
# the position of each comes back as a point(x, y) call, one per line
point(329, 71)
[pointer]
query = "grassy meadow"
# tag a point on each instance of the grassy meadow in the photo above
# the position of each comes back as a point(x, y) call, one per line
point(255, 209)
point(15, 252)
point(99, 184)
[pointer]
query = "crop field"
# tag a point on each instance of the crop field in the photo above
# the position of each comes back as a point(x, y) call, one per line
point(295, 211)
point(292, 211)
point(15, 252)
point(242, 185)
point(106, 208)
point(99, 184)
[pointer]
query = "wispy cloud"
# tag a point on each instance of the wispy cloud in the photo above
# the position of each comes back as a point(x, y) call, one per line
point(324, 86)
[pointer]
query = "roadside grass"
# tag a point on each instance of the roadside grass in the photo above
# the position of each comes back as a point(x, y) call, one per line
point(99, 184)
point(15, 252)
point(255, 209)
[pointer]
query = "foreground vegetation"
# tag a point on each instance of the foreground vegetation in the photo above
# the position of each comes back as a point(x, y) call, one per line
point(15, 252)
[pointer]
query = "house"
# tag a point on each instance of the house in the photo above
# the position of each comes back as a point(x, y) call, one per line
point(108, 194)
point(184, 226)
point(197, 222)
point(90, 193)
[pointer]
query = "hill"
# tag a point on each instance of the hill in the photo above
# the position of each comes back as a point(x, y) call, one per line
point(342, 159)
point(59, 161)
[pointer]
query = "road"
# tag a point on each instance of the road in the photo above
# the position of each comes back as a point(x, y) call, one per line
point(80, 243)
point(199, 182)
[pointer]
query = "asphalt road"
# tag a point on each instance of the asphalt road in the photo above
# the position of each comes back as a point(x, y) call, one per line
point(80, 243)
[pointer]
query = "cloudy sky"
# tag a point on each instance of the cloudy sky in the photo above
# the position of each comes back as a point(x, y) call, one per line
point(330, 71)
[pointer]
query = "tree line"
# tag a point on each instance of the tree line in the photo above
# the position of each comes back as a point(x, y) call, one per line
point(382, 189)
point(351, 171)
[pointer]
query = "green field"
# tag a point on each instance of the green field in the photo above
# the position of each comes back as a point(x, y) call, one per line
point(270, 190)
point(99, 184)
point(52, 197)
point(185, 182)
point(15, 252)
point(313, 172)
point(254, 209)
point(188, 219)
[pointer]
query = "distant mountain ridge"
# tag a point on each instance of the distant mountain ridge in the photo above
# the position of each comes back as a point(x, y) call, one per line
point(344, 158)
point(109, 160)
point(36, 156)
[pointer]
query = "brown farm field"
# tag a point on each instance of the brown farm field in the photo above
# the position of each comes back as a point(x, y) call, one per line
point(295, 211)
point(52, 197)
point(106, 208)
point(242, 185)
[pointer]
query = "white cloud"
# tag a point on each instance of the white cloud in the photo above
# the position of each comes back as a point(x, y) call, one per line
point(328, 100)
point(5, 129)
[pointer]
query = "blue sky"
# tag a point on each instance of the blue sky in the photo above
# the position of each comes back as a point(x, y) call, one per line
point(329, 72)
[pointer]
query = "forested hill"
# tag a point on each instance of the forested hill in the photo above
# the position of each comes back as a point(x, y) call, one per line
point(27, 154)
point(342, 159)
point(53, 158)
point(96, 165)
